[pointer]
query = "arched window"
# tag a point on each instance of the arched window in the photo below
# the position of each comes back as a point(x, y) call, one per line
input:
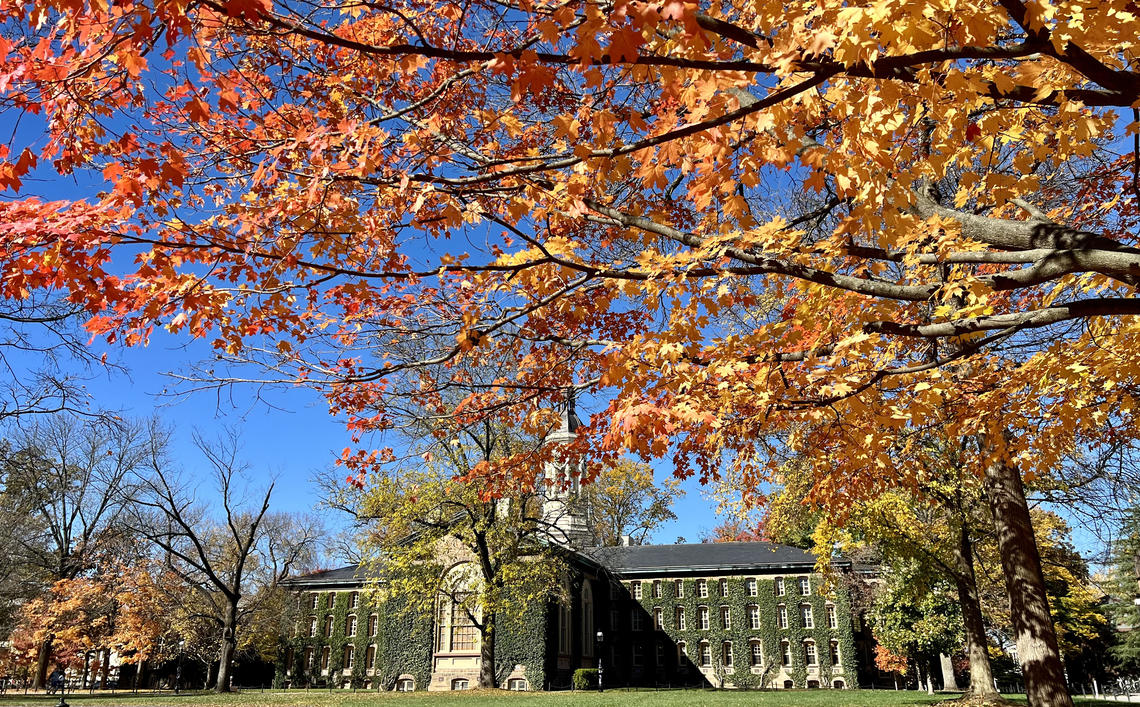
point(370, 657)
point(564, 628)
point(587, 620)
point(779, 586)
point(459, 684)
point(835, 652)
point(679, 588)
point(753, 617)
point(328, 625)
point(350, 625)
point(682, 656)
point(805, 586)
point(756, 653)
point(516, 685)
point(724, 587)
point(832, 619)
point(405, 685)
point(726, 653)
point(455, 624)
point(703, 618)
point(807, 620)
point(312, 626)
point(706, 654)
point(785, 653)
point(781, 616)
point(354, 600)
point(656, 589)
point(751, 585)
point(658, 623)
point(313, 601)
point(308, 664)
point(373, 624)
point(349, 657)
point(788, 684)
point(725, 617)
point(679, 618)
point(325, 658)
point(839, 685)
point(702, 588)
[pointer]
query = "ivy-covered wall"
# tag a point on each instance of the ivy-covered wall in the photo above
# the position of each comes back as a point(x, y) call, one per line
point(403, 643)
point(740, 634)
point(404, 640)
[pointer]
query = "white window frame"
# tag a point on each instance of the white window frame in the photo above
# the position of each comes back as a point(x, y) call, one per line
point(811, 655)
point(753, 589)
point(780, 590)
point(805, 586)
point(702, 589)
point(726, 618)
point(781, 616)
point(703, 618)
point(753, 617)
point(832, 617)
point(807, 617)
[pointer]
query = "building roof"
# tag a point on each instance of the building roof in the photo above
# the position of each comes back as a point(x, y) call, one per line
point(350, 575)
point(702, 558)
point(641, 560)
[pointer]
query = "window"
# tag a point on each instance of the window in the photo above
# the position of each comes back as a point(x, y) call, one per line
point(405, 685)
point(455, 632)
point(354, 600)
point(781, 616)
point(312, 627)
point(349, 657)
point(753, 617)
point(516, 685)
point(751, 584)
point(656, 589)
point(657, 623)
point(459, 684)
point(635, 623)
point(289, 659)
point(679, 587)
point(809, 653)
point(779, 586)
point(587, 620)
point(564, 628)
point(805, 586)
point(635, 589)
point(660, 654)
point(681, 654)
point(679, 618)
point(725, 617)
point(313, 600)
point(328, 625)
point(706, 655)
point(703, 617)
point(702, 588)
point(325, 658)
point(370, 657)
point(806, 619)
point(786, 650)
point(638, 655)
point(308, 658)
point(613, 592)
point(838, 685)
point(373, 623)
point(724, 587)
point(350, 626)
point(835, 652)
point(832, 619)
point(615, 620)
point(756, 652)
point(331, 600)
point(726, 653)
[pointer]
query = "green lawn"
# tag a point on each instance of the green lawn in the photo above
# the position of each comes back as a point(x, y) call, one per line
point(664, 698)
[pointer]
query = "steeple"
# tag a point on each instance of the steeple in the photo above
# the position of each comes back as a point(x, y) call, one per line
point(561, 507)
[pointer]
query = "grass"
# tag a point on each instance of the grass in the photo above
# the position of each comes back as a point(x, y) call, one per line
point(475, 698)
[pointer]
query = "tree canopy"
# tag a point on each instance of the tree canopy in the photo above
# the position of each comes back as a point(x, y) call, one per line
point(725, 221)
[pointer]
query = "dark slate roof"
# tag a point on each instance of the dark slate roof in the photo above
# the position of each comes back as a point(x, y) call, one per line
point(350, 575)
point(704, 557)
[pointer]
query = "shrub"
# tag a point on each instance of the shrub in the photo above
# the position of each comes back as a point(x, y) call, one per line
point(585, 679)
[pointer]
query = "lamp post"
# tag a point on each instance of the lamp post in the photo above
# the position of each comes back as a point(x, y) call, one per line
point(178, 668)
point(601, 638)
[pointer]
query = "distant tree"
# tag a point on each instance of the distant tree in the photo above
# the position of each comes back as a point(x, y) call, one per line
point(733, 530)
point(231, 562)
point(624, 501)
point(66, 483)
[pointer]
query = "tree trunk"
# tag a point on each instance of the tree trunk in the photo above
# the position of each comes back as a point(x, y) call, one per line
point(487, 652)
point(106, 669)
point(229, 647)
point(42, 659)
point(1028, 602)
point(981, 672)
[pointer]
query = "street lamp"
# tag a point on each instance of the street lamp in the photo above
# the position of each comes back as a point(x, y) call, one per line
point(178, 669)
point(601, 638)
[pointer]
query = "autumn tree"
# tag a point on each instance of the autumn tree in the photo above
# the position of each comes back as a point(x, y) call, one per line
point(942, 197)
point(443, 543)
point(624, 503)
point(67, 482)
point(233, 562)
point(1125, 589)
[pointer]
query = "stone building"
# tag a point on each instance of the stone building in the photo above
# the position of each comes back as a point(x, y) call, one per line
point(720, 614)
point(723, 614)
